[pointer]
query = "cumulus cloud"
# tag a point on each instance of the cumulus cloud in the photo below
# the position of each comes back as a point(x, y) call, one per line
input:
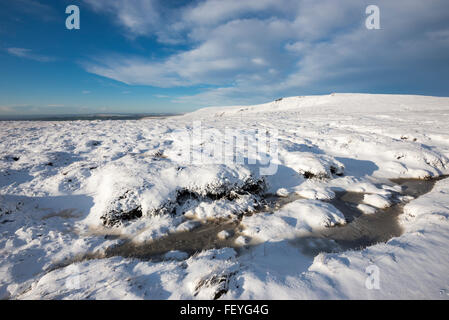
point(259, 49)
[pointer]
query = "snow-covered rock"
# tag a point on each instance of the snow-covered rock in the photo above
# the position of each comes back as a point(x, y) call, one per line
point(377, 201)
point(298, 218)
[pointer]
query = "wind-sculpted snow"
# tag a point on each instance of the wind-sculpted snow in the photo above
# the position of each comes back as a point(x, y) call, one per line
point(164, 190)
point(71, 191)
point(312, 165)
point(299, 218)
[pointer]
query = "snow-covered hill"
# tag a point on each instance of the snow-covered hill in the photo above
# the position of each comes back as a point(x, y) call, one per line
point(71, 191)
point(335, 102)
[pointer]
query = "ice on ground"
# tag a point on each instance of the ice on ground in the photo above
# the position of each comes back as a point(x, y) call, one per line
point(176, 255)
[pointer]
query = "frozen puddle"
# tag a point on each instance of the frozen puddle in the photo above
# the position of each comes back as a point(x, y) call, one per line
point(365, 230)
point(362, 230)
point(204, 237)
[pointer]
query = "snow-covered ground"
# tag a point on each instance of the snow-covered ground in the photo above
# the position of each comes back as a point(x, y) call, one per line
point(70, 191)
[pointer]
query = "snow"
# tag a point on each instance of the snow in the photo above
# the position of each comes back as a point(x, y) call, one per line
point(313, 165)
point(366, 209)
point(295, 219)
point(377, 201)
point(242, 240)
point(224, 235)
point(69, 191)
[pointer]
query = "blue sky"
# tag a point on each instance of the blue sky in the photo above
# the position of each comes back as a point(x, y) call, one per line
point(176, 56)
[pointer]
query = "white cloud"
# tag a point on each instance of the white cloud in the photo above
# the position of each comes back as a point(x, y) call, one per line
point(269, 48)
point(138, 17)
point(28, 54)
point(213, 12)
point(230, 52)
